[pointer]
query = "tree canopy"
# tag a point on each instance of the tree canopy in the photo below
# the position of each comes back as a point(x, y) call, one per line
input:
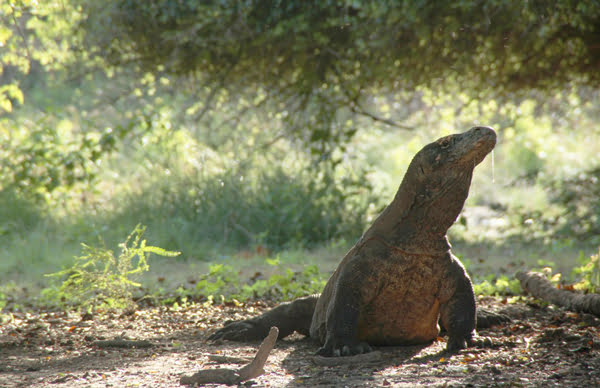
point(313, 65)
point(481, 45)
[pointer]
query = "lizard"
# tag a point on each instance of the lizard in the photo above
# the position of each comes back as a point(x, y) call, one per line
point(401, 279)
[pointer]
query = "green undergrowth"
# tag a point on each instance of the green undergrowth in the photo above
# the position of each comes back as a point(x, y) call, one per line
point(194, 199)
point(507, 284)
point(100, 280)
point(584, 277)
point(589, 273)
point(278, 209)
point(494, 285)
point(223, 283)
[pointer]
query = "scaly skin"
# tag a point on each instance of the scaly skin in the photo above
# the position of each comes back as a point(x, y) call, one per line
point(400, 279)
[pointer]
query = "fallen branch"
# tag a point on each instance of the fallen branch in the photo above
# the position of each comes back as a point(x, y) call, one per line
point(123, 343)
point(231, 376)
point(359, 359)
point(537, 285)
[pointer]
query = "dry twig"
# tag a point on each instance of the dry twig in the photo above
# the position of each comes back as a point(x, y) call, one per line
point(232, 376)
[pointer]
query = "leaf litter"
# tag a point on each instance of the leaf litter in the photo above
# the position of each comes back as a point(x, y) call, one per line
point(156, 346)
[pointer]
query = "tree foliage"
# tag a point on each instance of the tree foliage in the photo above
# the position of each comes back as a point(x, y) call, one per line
point(36, 37)
point(319, 63)
point(499, 44)
point(315, 63)
point(269, 70)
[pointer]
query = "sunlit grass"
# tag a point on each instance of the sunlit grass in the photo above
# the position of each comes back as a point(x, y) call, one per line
point(40, 250)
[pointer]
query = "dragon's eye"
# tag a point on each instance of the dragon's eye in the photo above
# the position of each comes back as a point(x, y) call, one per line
point(445, 143)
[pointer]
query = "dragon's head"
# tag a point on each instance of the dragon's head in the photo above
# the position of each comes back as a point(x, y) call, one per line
point(435, 188)
point(454, 153)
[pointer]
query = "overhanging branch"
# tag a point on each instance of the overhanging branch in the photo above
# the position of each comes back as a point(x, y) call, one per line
point(356, 107)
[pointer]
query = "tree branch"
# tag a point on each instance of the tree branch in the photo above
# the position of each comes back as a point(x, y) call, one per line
point(537, 285)
point(356, 107)
point(21, 34)
point(213, 92)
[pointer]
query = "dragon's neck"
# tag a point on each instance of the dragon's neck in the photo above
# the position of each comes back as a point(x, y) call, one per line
point(418, 221)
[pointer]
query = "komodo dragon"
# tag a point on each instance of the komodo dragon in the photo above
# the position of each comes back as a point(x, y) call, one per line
point(400, 279)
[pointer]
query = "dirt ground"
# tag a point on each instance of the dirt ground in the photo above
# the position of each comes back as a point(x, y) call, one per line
point(542, 346)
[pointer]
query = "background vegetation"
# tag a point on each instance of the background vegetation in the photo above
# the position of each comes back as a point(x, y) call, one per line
point(240, 132)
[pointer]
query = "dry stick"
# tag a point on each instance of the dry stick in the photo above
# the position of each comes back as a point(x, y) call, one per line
point(255, 368)
point(231, 376)
point(537, 285)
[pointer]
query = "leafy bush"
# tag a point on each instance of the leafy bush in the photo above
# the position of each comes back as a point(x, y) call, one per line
point(497, 285)
point(99, 280)
point(578, 196)
point(589, 271)
point(274, 207)
point(39, 160)
point(224, 282)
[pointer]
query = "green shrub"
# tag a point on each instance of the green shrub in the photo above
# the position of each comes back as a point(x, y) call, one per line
point(287, 286)
point(578, 195)
point(18, 214)
point(98, 279)
point(222, 282)
point(589, 272)
point(39, 159)
point(274, 207)
point(497, 285)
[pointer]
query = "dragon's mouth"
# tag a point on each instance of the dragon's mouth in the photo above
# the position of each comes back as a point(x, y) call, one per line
point(478, 141)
